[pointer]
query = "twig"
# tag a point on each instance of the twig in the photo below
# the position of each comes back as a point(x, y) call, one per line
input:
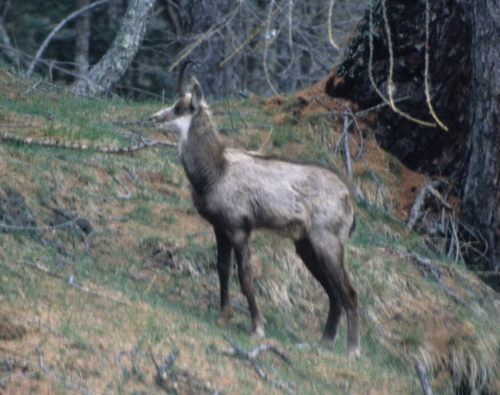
point(162, 370)
point(360, 134)
point(69, 145)
point(426, 72)
point(133, 355)
point(16, 377)
point(71, 282)
point(40, 269)
point(389, 101)
point(431, 267)
point(209, 32)
point(93, 293)
point(252, 358)
point(41, 228)
point(330, 35)
point(125, 372)
point(266, 48)
point(426, 387)
point(32, 88)
point(54, 377)
point(63, 336)
point(347, 153)
point(127, 191)
point(249, 126)
point(87, 241)
point(415, 212)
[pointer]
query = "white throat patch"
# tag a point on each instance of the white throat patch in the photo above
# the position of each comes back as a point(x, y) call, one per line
point(183, 123)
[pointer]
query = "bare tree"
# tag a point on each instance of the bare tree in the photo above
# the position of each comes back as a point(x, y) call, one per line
point(82, 35)
point(117, 59)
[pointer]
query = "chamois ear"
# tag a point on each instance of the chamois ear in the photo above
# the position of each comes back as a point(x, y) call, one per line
point(196, 92)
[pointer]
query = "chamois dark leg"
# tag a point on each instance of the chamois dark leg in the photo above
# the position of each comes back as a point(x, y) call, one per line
point(242, 252)
point(224, 249)
point(349, 298)
point(306, 252)
point(338, 276)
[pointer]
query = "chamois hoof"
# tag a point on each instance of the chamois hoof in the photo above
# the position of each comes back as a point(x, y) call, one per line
point(224, 317)
point(258, 332)
point(354, 353)
point(258, 329)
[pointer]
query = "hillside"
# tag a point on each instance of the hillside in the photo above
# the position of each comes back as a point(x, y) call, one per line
point(106, 269)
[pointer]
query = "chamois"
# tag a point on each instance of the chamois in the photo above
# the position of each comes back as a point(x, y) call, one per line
point(239, 191)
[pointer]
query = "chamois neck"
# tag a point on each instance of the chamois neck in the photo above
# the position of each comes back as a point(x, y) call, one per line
point(202, 153)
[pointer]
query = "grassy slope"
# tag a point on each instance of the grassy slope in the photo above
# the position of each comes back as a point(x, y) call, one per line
point(450, 325)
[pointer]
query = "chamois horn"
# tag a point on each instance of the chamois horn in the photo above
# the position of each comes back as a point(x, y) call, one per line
point(182, 89)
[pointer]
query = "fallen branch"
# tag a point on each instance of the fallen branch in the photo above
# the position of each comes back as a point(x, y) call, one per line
point(63, 336)
point(71, 282)
point(251, 356)
point(41, 228)
point(431, 267)
point(93, 293)
point(347, 153)
point(162, 370)
point(133, 355)
point(127, 195)
point(16, 377)
point(67, 383)
point(125, 372)
point(83, 147)
point(426, 387)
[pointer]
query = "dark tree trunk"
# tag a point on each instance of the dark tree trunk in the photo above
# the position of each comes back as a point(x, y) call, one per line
point(426, 149)
point(481, 181)
point(464, 78)
point(117, 59)
point(82, 35)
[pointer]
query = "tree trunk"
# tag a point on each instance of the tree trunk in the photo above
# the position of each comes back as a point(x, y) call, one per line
point(430, 150)
point(481, 182)
point(464, 79)
point(117, 59)
point(82, 35)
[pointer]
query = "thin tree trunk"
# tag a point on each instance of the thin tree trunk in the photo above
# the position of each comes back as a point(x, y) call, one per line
point(117, 59)
point(82, 35)
point(481, 184)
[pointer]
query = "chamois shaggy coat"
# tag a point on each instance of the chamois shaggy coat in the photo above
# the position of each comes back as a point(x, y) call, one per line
point(239, 191)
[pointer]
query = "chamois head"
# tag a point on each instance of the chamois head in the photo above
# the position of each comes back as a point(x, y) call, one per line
point(177, 117)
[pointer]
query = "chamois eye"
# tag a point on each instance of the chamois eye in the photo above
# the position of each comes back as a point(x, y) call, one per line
point(177, 110)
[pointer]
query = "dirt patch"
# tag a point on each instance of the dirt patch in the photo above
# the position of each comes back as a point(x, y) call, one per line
point(10, 330)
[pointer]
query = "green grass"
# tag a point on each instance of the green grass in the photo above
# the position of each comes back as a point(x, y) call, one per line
point(174, 303)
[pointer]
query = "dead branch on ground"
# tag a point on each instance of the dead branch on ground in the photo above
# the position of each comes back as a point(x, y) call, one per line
point(236, 351)
point(94, 293)
point(16, 377)
point(424, 380)
point(162, 371)
point(54, 377)
point(61, 335)
point(71, 281)
point(75, 146)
